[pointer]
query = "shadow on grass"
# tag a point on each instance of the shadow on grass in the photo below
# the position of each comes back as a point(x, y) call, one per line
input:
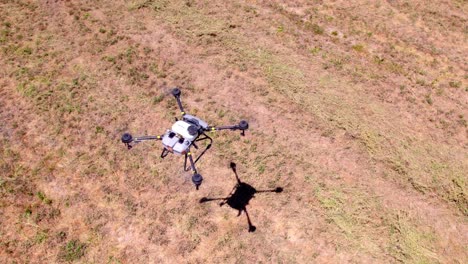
point(240, 196)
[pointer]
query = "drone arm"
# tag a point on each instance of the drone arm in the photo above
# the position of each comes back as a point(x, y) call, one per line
point(192, 163)
point(176, 92)
point(243, 125)
point(196, 178)
point(145, 138)
point(129, 140)
point(213, 128)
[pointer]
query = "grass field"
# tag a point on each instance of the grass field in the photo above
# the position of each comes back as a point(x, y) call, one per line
point(357, 109)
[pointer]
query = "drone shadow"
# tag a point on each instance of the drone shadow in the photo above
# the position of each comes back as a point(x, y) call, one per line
point(240, 196)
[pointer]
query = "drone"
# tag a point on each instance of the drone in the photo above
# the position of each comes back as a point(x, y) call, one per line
point(183, 135)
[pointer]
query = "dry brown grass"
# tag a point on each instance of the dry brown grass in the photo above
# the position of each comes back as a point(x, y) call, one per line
point(357, 109)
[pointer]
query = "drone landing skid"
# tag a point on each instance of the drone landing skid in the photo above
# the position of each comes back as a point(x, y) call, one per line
point(184, 134)
point(164, 153)
point(201, 154)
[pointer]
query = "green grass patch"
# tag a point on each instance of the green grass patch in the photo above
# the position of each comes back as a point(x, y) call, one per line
point(73, 250)
point(317, 29)
point(352, 212)
point(358, 47)
point(43, 198)
point(410, 245)
point(40, 237)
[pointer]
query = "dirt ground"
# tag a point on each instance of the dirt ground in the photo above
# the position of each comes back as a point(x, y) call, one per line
point(357, 109)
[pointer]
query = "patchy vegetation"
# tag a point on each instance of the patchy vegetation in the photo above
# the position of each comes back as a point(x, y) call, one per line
point(357, 109)
point(72, 250)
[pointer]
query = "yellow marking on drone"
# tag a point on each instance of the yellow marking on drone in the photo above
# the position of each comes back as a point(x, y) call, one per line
point(183, 113)
point(189, 153)
point(213, 128)
point(158, 136)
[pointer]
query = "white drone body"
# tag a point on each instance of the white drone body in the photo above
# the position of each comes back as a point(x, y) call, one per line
point(183, 132)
